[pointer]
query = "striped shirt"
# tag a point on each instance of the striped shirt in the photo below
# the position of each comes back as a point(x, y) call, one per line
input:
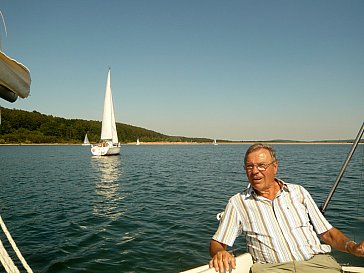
point(277, 231)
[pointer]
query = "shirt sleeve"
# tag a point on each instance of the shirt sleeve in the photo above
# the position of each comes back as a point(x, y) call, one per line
point(318, 220)
point(229, 227)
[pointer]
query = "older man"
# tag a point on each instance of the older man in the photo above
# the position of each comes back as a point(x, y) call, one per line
point(281, 223)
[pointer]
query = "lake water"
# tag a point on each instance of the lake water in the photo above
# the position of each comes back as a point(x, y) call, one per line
point(153, 208)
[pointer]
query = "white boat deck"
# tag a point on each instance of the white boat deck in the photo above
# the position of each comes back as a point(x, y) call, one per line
point(244, 262)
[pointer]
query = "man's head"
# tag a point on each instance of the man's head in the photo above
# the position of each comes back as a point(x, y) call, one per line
point(261, 166)
point(259, 146)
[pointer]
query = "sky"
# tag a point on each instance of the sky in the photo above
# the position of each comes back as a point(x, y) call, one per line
point(234, 70)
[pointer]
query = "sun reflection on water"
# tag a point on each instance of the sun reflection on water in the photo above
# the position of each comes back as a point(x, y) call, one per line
point(107, 172)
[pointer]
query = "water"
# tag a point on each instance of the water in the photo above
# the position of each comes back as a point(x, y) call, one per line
point(153, 208)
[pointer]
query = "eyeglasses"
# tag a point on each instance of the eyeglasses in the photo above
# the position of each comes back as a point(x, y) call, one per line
point(260, 166)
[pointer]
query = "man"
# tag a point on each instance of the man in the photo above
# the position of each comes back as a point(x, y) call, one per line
point(281, 223)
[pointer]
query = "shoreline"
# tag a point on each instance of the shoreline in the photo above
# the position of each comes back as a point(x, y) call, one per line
point(193, 143)
point(241, 143)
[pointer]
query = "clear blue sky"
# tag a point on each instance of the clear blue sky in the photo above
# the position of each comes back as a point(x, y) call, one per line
point(238, 70)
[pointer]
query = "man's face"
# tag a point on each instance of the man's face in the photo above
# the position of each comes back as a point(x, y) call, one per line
point(261, 170)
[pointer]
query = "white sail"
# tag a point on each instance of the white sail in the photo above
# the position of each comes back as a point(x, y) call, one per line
point(108, 130)
point(86, 142)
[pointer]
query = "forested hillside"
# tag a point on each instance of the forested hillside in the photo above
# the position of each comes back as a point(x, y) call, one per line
point(18, 126)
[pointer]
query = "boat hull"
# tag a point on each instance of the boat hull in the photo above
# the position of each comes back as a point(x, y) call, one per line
point(105, 150)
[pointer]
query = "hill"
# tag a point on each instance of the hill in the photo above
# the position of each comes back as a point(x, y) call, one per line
point(19, 126)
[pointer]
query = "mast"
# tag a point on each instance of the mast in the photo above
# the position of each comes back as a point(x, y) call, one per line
point(353, 147)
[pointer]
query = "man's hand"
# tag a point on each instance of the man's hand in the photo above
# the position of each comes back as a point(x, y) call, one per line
point(223, 261)
point(356, 249)
point(339, 241)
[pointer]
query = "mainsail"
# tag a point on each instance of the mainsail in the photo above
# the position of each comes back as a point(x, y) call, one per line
point(108, 130)
point(86, 141)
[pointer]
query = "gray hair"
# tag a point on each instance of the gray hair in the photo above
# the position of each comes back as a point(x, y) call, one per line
point(258, 146)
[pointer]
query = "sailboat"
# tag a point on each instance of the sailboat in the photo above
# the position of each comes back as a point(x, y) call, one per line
point(86, 142)
point(215, 143)
point(109, 144)
point(138, 142)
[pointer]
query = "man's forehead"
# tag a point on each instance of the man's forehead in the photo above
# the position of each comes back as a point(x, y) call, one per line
point(257, 154)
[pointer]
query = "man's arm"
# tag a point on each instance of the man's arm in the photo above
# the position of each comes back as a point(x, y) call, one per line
point(341, 242)
point(221, 259)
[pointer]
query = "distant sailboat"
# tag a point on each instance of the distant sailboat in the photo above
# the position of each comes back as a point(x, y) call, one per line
point(215, 143)
point(86, 142)
point(137, 142)
point(109, 144)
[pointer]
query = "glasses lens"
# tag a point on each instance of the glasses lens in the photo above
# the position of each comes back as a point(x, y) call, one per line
point(260, 167)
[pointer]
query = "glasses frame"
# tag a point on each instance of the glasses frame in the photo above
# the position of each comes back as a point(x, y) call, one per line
point(260, 166)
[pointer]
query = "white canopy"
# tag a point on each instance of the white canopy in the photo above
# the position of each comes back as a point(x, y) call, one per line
point(14, 79)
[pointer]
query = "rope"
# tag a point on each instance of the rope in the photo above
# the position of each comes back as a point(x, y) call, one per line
point(6, 261)
point(16, 250)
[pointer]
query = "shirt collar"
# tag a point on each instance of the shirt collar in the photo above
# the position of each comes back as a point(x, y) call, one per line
point(249, 190)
